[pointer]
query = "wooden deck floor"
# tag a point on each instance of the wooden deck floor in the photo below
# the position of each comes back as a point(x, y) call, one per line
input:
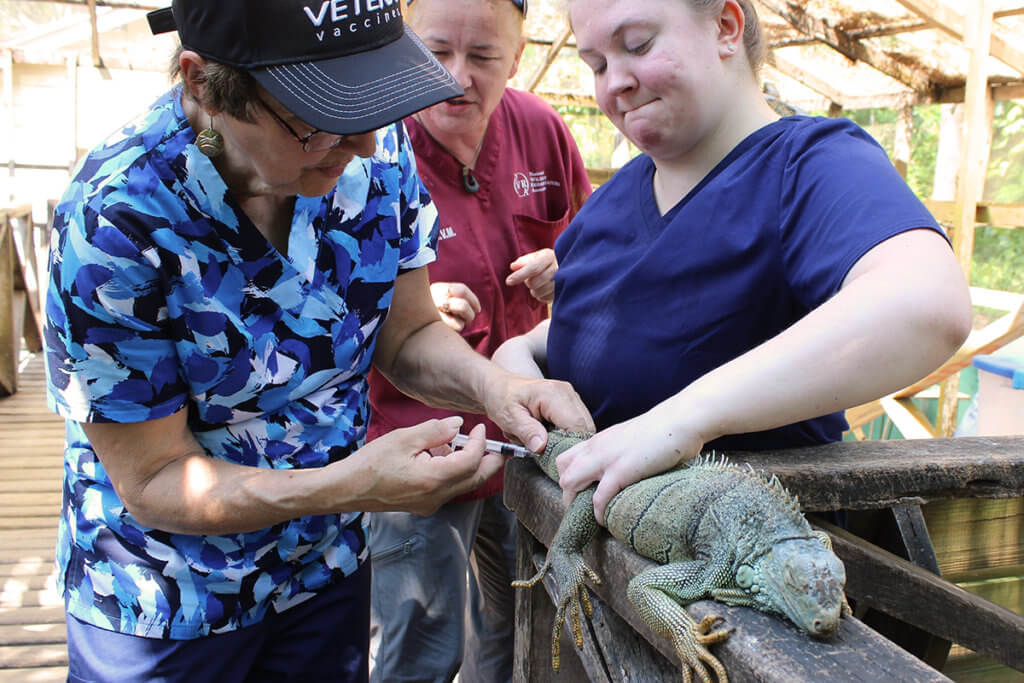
point(31, 613)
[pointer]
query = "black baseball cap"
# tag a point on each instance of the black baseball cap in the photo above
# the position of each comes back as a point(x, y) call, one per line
point(343, 66)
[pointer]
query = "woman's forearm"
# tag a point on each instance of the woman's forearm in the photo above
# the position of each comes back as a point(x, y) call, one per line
point(527, 353)
point(436, 366)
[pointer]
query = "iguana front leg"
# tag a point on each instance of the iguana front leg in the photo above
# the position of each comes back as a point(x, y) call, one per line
point(565, 559)
point(657, 594)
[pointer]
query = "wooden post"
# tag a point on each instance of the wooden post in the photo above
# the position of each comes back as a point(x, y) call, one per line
point(97, 61)
point(902, 144)
point(9, 338)
point(7, 123)
point(973, 163)
point(549, 58)
point(72, 71)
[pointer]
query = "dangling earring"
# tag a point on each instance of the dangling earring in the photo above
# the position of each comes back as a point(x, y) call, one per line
point(210, 142)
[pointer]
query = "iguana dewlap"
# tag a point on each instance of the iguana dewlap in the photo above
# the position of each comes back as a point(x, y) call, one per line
point(717, 531)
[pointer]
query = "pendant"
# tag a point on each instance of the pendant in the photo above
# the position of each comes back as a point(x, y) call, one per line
point(469, 180)
point(210, 143)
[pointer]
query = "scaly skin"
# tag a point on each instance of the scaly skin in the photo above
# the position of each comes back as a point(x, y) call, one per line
point(717, 531)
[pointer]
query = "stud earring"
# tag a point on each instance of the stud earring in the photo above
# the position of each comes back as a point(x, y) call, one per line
point(210, 142)
point(731, 48)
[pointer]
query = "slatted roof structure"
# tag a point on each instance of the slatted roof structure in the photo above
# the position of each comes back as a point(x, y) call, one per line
point(848, 53)
point(855, 54)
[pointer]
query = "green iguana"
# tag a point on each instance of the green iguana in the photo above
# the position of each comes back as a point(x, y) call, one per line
point(718, 531)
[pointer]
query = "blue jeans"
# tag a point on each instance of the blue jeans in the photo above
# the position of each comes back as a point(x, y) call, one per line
point(325, 638)
point(442, 602)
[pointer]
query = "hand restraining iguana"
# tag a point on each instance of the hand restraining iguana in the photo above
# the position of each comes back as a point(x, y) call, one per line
point(718, 531)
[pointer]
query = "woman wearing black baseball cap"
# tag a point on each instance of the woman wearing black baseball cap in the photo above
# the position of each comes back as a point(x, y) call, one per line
point(224, 271)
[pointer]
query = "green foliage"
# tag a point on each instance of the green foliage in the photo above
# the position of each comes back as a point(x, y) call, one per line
point(1005, 182)
point(998, 259)
point(596, 137)
point(924, 147)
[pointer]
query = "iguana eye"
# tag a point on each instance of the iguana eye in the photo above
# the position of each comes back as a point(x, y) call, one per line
point(745, 576)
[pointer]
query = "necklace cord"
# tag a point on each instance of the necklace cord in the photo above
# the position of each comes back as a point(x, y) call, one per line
point(469, 181)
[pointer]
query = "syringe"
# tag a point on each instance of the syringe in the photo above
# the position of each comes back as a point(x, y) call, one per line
point(501, 447)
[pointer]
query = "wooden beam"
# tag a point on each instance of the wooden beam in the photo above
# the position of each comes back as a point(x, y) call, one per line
point(1000, 92)
point(851, 48)
point(7, 122)
point(971, 177)
point(867, 475)
point(804, 77)
point(549, 58)
point(918, 597)
point(150, 63)
point(951, 22)
point(908, 418)
point(10, 339)
point(73, 98)
point(1006, 215)
point(97, 61)
point(977, 102)
point(53, 37)
point(1010, 11)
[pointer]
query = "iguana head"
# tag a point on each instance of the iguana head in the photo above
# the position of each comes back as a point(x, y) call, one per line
point(801, 579)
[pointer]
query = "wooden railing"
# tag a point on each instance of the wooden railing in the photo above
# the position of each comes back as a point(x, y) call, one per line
point(898, 580)
point(19, 293)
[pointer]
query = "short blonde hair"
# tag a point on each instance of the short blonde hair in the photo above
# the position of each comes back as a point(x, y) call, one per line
point(410, 11)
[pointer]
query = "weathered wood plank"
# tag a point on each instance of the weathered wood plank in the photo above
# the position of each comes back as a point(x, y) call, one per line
point(10, 338)
point(28, 524)
point(911, 594)
point(877, 474)
point(35, 511)
point(26, 582)
point(32, 633)
point(17, 595)
point(32, 615)
point(9, 461)
point(979, 535)
point(19, 539)
point(19, 476)
point(33, 655)
point(763, 648)
point(31, 484)
point(50, 498)
point(49, 674)
point(27, 557)
point(32, 568)
point(27, 634)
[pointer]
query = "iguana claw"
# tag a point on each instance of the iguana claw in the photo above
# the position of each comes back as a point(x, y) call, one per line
point(570, 571)
point(703, 634)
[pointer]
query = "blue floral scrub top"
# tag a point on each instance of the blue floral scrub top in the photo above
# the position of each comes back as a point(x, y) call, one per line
point(163, 296)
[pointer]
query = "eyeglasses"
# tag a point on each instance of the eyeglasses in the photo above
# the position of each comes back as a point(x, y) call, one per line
point(317, 141)
point(520, 5)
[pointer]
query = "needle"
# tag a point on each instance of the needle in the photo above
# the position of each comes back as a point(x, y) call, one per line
point(501, 447)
